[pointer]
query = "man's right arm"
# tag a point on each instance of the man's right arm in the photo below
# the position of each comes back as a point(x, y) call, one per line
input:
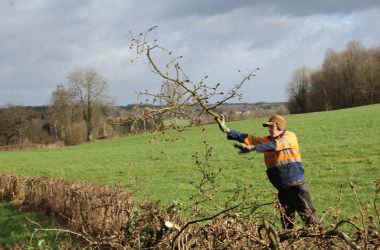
point(237, 136)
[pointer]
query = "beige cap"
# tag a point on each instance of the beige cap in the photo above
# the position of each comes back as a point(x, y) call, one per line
point(278, 120)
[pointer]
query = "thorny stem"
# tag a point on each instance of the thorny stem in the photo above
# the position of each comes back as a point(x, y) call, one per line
point(64, 231)
point(271, 233)
point(61, 231)
point(200, 220)
point(377, 183)
point(340, 223)
point(361, 213)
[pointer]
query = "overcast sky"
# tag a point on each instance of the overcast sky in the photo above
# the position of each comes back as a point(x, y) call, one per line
point(41, 41)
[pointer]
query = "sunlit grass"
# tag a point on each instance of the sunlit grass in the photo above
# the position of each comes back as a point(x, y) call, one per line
point(336, 146)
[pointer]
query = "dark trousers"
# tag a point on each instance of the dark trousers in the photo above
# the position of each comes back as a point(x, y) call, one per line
point(296, 198)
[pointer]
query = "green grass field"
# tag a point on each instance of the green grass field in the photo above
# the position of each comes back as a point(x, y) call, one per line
point(335, 146)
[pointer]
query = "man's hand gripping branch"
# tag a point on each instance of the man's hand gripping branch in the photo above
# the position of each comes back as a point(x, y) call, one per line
point(244, 148)
point(222, 124)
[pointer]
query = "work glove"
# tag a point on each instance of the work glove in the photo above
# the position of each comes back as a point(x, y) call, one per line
point(244, 148)
point(222, 124)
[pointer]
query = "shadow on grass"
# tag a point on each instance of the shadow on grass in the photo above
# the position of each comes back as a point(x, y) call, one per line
point(15, 225)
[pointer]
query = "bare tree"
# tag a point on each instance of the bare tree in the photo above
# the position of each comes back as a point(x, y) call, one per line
point(172, 96)
point(298, 89)
point(90, 88)
point(319, 99)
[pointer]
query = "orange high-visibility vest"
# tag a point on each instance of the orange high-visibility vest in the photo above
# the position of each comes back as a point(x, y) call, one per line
point(284, 164)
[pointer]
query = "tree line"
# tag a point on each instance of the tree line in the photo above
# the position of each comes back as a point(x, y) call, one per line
point(62, 122)
point(80, 111)
point(346, 79)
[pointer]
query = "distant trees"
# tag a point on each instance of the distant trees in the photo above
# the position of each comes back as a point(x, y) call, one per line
point(63, 112)
point(346, 79)
point(13, 119)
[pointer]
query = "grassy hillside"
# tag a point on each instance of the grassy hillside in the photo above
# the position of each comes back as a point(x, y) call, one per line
point(335, 146)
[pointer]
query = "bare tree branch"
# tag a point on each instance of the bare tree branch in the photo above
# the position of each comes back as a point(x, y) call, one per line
point(185, 94)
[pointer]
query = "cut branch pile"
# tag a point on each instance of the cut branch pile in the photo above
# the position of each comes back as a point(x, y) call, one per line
point(103, 217)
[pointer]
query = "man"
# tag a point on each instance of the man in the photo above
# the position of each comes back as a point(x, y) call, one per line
point(284, 167)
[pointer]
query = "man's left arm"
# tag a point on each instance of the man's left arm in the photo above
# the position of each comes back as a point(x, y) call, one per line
point(265, 147)
point(285, 141)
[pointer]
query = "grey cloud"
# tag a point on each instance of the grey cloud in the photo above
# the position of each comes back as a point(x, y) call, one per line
point(323, 7)
point(168, 9)
point(42, 40)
